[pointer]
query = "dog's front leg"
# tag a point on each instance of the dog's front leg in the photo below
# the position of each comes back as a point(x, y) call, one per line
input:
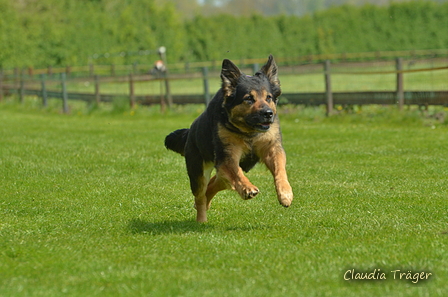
point(233, 174)
point(275, 160)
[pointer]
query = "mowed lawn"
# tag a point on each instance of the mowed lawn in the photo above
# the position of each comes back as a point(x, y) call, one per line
point(94, 205)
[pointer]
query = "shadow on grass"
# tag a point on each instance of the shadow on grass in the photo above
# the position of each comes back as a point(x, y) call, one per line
point(249, 227)
point(138, 226)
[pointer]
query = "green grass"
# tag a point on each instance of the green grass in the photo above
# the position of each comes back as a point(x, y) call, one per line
point(94, 205)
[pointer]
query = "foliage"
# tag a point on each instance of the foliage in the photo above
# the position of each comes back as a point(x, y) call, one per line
point(401, 26)
point(71, 32)
point(63, 32)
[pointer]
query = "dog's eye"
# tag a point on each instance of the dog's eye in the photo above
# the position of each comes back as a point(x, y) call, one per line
point(269, 98)
point(249, 99)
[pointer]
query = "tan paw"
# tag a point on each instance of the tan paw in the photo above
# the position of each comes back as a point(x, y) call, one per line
point(285, 199)
point(249, 192)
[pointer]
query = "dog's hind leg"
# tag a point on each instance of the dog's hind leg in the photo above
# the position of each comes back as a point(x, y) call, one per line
point(199, 178)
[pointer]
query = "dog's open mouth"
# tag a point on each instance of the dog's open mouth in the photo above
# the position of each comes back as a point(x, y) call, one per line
point(263, 126)
point(259, 123)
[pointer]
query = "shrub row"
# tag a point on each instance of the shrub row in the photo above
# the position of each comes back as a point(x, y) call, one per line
point(64, 32)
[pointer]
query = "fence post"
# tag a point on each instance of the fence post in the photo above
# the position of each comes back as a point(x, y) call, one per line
point(97, 90)
point(91, 69)
point(328, 91)
point(400, 88)
point(16, 78)
point(44, 90)
point(1, 85)
point(64, 93)
point(169, 98)
point(131, 91)
point(256, 67)
point(22, 88)
point(206, 86)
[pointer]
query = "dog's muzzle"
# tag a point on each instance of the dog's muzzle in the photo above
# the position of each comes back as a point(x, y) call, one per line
point(262, 120)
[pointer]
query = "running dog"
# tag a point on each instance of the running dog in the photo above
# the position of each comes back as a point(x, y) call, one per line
point(239, 128)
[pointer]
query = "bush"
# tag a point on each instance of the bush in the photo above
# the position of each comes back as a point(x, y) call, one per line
point(63, 32)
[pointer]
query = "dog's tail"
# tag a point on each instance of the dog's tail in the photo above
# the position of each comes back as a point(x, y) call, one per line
point(176, 141)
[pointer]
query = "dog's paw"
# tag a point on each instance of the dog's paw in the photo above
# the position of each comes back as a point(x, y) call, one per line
point(285, 199)
point(285, 195)
point(249, 192)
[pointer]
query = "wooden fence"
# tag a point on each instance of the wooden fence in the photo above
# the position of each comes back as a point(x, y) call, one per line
point(137, 69)
point(26, 85)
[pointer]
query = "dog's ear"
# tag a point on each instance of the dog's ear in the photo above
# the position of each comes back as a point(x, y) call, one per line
point(271, 71)
point(229, 76)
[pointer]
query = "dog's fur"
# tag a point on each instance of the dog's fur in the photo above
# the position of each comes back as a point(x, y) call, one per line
point(239, 128)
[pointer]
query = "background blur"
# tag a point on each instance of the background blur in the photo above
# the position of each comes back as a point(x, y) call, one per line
point(378, 52)
point(68, 33)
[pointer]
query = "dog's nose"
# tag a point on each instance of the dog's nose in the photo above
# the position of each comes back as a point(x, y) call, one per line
point(268, 113)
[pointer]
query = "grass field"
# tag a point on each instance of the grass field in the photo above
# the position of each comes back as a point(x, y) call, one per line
point(94, 205)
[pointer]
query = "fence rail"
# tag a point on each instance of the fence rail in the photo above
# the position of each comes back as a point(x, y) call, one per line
point(40, 87)
point(422, 98)
point(185, 67)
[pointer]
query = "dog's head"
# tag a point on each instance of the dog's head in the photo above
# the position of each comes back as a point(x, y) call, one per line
point(250, 101)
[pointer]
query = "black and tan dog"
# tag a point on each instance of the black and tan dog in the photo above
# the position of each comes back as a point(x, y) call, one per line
point(238, 129)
